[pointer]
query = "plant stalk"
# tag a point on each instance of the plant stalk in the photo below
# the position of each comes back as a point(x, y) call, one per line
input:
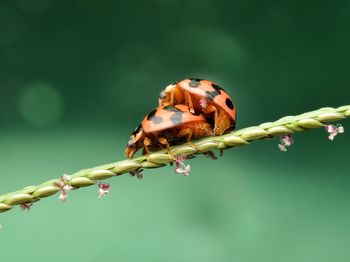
point(91, 176)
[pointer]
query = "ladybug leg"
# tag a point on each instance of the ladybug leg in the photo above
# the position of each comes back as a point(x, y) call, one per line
point(176, 96)
point(129, 152)
point(146, 143)
point(187, 132)
point(165, 142)
point(189, 102)
point(210, 109)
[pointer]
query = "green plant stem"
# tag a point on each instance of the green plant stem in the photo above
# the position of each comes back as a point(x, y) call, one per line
point(91, 176)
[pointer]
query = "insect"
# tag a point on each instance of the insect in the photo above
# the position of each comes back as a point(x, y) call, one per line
point(166, 126)
point(203, 97)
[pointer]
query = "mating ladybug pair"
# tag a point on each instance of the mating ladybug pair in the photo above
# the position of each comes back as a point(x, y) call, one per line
point(189, 109)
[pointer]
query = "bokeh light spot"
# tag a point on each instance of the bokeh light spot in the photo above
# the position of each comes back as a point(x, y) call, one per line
point(34, 6)
point(40, 104)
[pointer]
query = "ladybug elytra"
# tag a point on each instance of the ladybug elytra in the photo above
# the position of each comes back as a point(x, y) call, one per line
point(166, 126)
point(203, 97)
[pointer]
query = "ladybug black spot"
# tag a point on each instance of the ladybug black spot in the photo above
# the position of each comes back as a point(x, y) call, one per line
point(137, 129)
point(196, 79)
point(156, 119)
point(217, 88)
point(229, 103)
point(195, 82)
point(151, 114)
point(171, 108)
point(211, 95)
point(176, 119)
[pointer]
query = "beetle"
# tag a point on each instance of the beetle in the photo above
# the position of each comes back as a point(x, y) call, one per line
point(203, 97)
point(166, 126)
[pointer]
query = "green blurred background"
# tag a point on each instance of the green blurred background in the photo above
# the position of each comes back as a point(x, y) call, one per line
point(77, 76)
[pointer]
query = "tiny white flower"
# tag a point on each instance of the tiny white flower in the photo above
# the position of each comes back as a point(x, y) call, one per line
point(64, 187)
point(282, 147)
point(334, 130)
point(180, 167)
point(285, 141)
point(103, 189)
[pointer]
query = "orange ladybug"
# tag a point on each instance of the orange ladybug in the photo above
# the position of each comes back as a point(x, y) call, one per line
point(165, 126)
point(203, 97)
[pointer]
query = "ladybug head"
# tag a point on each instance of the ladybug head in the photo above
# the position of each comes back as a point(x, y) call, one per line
point(165, 95)
point(136, 136)
point(162, 95)
point(135, 142)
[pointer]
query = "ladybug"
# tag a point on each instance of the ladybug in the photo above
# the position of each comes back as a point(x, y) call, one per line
point(166, 126)
point(203, 97)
